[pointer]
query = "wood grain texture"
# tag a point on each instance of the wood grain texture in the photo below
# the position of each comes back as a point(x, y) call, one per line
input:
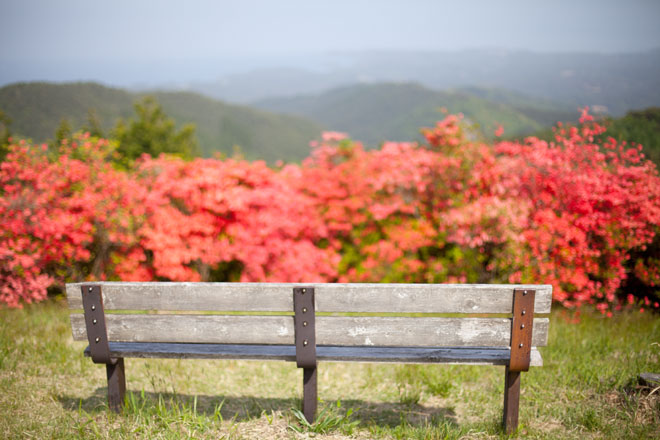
point(331, 297)
point(479, 356)
point(330, 330)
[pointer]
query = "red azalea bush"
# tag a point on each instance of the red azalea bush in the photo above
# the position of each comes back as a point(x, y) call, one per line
point(65, 213)
point(569, 213)
point(212, 219)
point(590, 205)
point(69, 215)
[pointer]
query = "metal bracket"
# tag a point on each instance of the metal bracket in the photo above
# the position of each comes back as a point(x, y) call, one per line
point(305, 327)
point(305, 337)
point(97, 333)
point(521, 329)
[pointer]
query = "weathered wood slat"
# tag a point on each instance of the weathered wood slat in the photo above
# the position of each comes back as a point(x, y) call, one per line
point(330, 330)
point(483, 356)
point(332, 297)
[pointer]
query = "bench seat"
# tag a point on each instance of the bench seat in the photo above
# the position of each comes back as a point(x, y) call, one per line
point(411, 355)
point(475, 324)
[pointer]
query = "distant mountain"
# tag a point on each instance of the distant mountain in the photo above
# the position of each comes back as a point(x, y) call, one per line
point(36, 110)
point(256, 85)
point(396, 111)
point(610, 83)
point(544, 112)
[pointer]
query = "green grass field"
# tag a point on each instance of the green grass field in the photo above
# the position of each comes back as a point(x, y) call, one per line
point(587, 389)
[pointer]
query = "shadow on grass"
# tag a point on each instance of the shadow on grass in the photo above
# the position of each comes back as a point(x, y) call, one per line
point(241, 409)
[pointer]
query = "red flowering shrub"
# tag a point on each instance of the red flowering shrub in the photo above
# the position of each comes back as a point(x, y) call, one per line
point(69, 215)
point(590, 206)
point(577, 213)
point(208, 214)
point(63, 214)
point(566, 213)
point(384, 208)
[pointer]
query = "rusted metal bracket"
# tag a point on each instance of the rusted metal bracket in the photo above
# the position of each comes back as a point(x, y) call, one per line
point(305, 337)
point(521, 330)
point(97, 333)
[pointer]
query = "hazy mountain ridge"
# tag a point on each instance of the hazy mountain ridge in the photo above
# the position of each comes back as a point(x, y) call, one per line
point(615, 82)
point(36, 110)
point(281, 128)
point(396, 111)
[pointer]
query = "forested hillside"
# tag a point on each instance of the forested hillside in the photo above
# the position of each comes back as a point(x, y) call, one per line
point(37, 109)
point(375, 112)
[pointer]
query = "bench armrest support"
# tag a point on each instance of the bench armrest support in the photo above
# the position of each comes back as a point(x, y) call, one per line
point(521, 329)
point(97, 333)
point(305, 339)
point(305, 326)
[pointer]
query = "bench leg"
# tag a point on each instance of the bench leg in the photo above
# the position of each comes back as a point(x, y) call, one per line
point(511, 400)
point(309, 394)
point(116, 384)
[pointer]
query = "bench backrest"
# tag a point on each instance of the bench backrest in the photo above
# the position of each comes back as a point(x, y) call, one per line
point(346, 314)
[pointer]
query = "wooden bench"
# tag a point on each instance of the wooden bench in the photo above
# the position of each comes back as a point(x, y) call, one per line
point(317, 322)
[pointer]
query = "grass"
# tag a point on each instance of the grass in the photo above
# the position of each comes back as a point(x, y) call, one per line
point(586, 390)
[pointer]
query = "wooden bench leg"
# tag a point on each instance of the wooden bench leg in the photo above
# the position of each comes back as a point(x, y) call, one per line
point(511, 400)
point(116, 384)
point(309, 393)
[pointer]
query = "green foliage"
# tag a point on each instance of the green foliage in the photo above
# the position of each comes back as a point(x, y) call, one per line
point(5, 134)
point(63, 132)
point(93, 124)
point(153, 133)
point(641, 127)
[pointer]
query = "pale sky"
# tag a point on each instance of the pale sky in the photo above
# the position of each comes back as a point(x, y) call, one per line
point(51, 38)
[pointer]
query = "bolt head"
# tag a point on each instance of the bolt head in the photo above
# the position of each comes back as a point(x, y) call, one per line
point(94, 322)
point(90, 289)
point(97, 340)
point(523, 312)
point(305, 343)
point(521, 346)
point(93, 307)
point(304, 309)
point(304, 323)
point(304, 291)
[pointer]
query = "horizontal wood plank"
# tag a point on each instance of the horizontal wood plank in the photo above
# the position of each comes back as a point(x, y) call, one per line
point(330, 297)
point(479, 356)
point(330, 330)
